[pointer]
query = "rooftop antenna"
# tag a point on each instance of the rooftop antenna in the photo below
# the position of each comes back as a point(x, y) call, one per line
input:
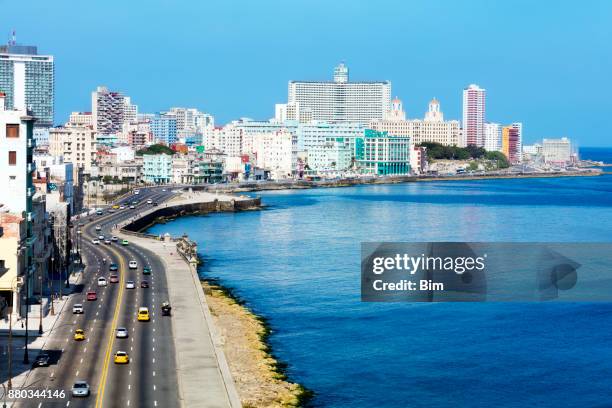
point(13, 39)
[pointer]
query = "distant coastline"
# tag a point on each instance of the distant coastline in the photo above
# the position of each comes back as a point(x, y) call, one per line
point(355, 181)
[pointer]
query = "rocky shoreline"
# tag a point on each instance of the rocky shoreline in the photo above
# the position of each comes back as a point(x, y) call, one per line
point(258, 375)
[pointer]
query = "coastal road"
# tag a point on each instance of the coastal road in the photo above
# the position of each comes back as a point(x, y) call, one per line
point(150, 378)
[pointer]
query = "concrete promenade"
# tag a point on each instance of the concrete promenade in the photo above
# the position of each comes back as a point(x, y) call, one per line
point(203, 373)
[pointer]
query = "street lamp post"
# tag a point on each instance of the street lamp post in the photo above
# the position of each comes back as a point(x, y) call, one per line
point(40, 328)
point(51, 291)
point(26, 359)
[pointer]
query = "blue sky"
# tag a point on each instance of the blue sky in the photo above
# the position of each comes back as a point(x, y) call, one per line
point(547, 64)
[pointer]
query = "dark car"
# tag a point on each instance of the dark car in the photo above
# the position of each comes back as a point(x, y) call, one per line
point(155, 204)
point(144, 284)
point(42, 360)
point(113, 267)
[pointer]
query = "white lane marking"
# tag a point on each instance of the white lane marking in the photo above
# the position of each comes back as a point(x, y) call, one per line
point(85, 350)
point(39, 404)
point(153, 348)
point(153, 360)
point(154, 387)
point(129, 386)
point(155, 403)
point(52, 374)
point(153, 373)
point(128, 402)
point(130, 372)
point(67, 403)
point(81, 362)
point(77, 373)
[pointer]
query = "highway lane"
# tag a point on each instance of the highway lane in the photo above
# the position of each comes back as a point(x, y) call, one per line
point(150, 378)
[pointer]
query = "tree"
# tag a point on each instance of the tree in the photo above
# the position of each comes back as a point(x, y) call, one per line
point(155, 149)
point(499, 158)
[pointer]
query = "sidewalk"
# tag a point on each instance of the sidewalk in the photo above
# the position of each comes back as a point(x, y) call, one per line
point(36, 342)
point(200, 359)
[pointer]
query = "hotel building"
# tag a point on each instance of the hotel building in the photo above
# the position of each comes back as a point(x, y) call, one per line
point(28, 80)
point(341, 100)
point(557, 151)
point(382, 154)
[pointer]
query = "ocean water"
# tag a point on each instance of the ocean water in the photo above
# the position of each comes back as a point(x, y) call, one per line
point(603, 154)
point(297, 263)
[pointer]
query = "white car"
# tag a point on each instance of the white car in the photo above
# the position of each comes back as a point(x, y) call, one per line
point(130, 285)
point(133, 264)
point(136, 192)
point(95, 241)
point(80, 389)
point(114, 239)
point(107, 241)
point(132, 207)
point(163, 189)
point(102, 281)
point(101, 237)
point(77, 308)
point(122, 207)
point(98, 227)
point(149, 201)
point(122, 333)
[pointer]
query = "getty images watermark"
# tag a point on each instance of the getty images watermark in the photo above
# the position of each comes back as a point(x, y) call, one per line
point(477, 272)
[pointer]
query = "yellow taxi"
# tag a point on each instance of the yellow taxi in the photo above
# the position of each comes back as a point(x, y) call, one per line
point(143, 314)
point(121, 357)
point(79, 334)
point(115, 207)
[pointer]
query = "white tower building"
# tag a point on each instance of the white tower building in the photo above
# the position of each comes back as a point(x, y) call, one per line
point(474, 102)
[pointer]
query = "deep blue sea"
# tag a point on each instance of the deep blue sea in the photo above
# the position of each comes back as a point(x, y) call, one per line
point(297, 263)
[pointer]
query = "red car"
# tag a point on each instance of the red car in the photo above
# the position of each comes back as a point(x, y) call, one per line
point(92, 296)
point(114, 279)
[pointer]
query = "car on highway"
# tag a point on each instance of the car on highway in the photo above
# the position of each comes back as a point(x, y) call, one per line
point(122, 207)
point(101, 237)
point(79, 335)
point(102, 281)
point(77, 308)
point(80, 389)
point(130, 284)
point(98, 227)
point(143, 314)
point(107, 241)
point(136, 192)
point(42, 360)
point(146, 270)
point(99, 212)
point(133, 264)
point(125, 242)
point(122, 333)
point(113, 267)
point(155, 204)
point(163, 189)
point(114, 239)
point(115, 207)
point(114, 278)
point(144, 284)
point(91, 295)
point(121, 357)
point(132, 207)
point(149, 201)
point(95, 241)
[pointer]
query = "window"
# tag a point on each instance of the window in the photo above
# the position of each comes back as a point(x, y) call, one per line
point(12, 158)
point(12, 130)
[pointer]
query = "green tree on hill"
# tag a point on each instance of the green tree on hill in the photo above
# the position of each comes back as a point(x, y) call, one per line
point(155, 149)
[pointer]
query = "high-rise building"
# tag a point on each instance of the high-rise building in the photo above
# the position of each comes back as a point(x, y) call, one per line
point(557, 151)
point(341, 100)
point(163, 127)
point(28, 81)
point(493, 137)
point(75, 144)
point(474, 103)
point(510, 144)
point(130, 111)
point(107, 108)
point(277, 153)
